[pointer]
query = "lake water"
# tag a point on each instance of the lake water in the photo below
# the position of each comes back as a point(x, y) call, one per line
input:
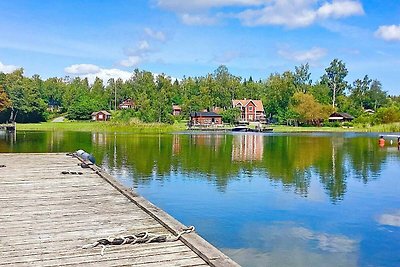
point(263, 199)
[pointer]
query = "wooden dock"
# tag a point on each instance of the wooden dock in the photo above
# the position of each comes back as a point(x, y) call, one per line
point(8, 127)
point(47, 216)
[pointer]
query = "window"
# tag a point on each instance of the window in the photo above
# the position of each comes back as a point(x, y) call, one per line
point(250, 108)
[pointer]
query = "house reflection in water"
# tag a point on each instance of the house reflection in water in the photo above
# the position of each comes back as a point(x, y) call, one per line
point(99, 139)
point(248, 147)
point(176, 144)
point(209, 140)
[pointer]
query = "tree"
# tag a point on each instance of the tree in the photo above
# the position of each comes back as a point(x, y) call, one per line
point(376, 97)
point(302, 78)
point(359, 91)
point(334, 78)
point(4, 99)
point(231, 115)
point(278, 92)
point(308, 109)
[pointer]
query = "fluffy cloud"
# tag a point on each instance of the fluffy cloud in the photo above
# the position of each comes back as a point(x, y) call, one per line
point(327, 242)
point(82, 69)
point(157, 35)
point(312, 55)
point(390, 219)
point(131, 61)
point(299, 13)
point(7, 68)
point(289, 13)
point(136, 55)
point(388, 32)
point(340, 8)
point(268, 245)
point(91, 71)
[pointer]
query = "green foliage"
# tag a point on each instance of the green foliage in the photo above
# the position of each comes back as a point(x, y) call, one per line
point(231, 115)
point(334, 78)
point(388, 115)
point(82, 108)
point(5, 101)
point(308, 110)
point(32, 99)
point(365, 120)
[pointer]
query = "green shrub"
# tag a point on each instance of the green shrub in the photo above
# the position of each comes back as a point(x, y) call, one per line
point(387, 115)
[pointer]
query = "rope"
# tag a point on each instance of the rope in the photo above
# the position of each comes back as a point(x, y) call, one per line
point(140, 238)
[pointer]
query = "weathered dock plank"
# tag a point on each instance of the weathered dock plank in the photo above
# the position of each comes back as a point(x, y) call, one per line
point(46, 217)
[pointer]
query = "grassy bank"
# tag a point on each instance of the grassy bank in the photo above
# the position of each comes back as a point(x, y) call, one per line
point(103, 127)
point(384, 128)
point(167, 128)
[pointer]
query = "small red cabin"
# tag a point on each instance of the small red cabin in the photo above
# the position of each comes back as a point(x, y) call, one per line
point(101, 115)
point(205, 118)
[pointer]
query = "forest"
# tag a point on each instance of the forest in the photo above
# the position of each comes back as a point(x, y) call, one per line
point(288, 97)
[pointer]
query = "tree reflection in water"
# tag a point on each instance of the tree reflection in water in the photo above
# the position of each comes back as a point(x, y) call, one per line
point(290, 160)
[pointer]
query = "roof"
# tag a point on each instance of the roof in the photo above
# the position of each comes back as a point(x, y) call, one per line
point(101, 111)
point(127, 101)
point(342, 114)
point(204, 114)
point(176, 107)
point(245, 102)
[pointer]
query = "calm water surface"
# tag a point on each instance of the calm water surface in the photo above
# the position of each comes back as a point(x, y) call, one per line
point(274, 199)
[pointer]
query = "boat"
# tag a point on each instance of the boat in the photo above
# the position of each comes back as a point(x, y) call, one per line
point(240, 128)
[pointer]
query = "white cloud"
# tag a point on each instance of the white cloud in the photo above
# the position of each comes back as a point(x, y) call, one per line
point(340, 8)
point(285, 12)
point(195, 5)
point(7, 68)
point(299, 13)
point(312, 55)
point(143, 46)
point(131, 61)
point(269, 245)
point(137, 55)
point(82, 69)
point(390, 219)
point(198, 19)
point(91, 71)
point(157, 35)
point(289, 13)
point(388, 32)
point(327, 242)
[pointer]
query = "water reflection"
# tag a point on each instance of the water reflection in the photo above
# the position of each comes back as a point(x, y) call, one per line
point(286, 160)
point(248, 147)
point(285, 244)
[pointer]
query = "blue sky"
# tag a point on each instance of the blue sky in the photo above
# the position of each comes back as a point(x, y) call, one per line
point(255, 38)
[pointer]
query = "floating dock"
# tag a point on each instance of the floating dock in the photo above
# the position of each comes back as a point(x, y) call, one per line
point(50, 207)
point(11, 127)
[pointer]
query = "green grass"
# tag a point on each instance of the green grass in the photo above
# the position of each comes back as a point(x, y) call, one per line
point(393, 127)
point(139, 127)
point(103, 127)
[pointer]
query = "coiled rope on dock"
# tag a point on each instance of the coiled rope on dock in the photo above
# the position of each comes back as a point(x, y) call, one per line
point(140, 238)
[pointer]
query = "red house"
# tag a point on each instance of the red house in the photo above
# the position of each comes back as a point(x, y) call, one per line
point(252, 110)
point(101, 115)
point(205, 118)
point(127, 104)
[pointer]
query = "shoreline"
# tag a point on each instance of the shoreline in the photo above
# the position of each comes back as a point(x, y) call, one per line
point(179, 127)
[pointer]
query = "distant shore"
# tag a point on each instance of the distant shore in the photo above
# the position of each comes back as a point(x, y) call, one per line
point(177, 127)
